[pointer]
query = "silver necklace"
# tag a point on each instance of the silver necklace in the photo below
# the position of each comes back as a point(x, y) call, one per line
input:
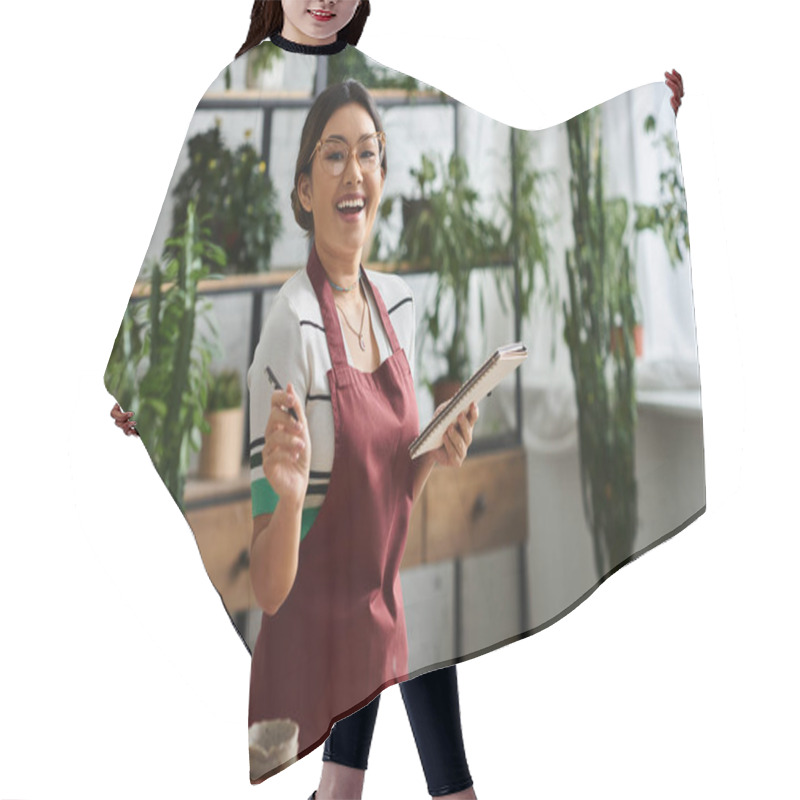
point(360, 332)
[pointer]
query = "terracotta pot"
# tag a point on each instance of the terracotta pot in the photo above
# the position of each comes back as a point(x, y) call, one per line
point(443, 390)
point(638, 339)
point(221, 452)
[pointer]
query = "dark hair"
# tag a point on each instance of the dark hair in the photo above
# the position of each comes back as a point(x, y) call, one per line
point(324, 107)
point(266, 19)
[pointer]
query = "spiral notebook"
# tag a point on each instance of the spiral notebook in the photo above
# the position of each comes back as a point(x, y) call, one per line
point(503, 361)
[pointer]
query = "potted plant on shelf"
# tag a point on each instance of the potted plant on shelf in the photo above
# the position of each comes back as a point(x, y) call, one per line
point(221, 451)
point(233, 189)
point(669, 217)
point(159, 365)
point(444, 232)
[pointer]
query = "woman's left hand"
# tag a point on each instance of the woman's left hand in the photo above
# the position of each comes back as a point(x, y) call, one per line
point(457, 439)
point(124, 420)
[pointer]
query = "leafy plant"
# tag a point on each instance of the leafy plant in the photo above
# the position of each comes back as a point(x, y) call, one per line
point(525, 236)
point(233, 190)
point(160, 340)
point(527, 223)
point(259, 59)
point(352, 63)
point(670, 217)
point(224, 391)
point(444, 230)
point(121, 376)
point(601, 292)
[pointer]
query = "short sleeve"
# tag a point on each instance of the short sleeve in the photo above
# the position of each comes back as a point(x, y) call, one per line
point(280, 348)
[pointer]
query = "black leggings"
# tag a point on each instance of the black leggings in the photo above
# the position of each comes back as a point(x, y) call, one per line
point(432, 706)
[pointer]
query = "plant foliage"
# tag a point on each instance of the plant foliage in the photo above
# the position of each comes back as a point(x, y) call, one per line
point(670, 216)
point(225, 391)
point(526, 226)
point(447, 233)
point(352, 63)
point(601, 292)
point(231, 188)
point(160, 363)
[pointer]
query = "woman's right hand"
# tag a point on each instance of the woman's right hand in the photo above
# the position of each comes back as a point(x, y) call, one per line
point(675, 83)
point(286, 457)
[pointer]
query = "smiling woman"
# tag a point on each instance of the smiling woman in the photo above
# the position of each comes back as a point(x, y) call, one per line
point(316, 22)
point(306, 22)
point(333, 498)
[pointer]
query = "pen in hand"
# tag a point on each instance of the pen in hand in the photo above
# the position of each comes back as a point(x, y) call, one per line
point(276, 385)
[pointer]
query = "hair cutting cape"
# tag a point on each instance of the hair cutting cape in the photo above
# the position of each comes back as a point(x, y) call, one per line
point(572, 239)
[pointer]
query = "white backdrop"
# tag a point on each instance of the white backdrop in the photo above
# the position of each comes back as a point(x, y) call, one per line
point(120, 675)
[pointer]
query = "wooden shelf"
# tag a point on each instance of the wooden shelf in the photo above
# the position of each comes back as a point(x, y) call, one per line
point(201, 492)
point(274, 279)
point(230, 283)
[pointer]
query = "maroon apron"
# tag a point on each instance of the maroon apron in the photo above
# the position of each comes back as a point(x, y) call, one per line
point(340, 636)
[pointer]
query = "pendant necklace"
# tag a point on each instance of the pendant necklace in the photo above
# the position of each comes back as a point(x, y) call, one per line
point(360, 332)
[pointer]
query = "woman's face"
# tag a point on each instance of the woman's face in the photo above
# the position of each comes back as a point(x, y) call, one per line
point(339, 223)
point(316, 21)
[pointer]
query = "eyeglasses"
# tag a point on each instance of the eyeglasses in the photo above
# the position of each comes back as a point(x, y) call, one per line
point(335, 154)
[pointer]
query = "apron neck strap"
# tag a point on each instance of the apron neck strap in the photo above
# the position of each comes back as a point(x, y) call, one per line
point(330, 320)
point(384, 314)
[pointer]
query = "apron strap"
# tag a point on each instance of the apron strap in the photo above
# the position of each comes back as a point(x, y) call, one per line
point(384, 314)
point(330, 319)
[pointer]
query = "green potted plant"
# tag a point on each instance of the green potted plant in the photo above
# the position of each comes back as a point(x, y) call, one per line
point(444, 231)
point(352, 63)
point(232, 189)
point(602, 328)
point(601, 291)
point(221, 451)
point(260, 59)
point(668, 217)
point(159, 366)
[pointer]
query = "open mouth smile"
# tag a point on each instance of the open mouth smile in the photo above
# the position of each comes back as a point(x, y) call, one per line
point(351, 207)
point(322, 16)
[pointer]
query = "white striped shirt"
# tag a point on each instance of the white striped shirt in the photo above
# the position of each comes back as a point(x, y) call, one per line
point(294, 346)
